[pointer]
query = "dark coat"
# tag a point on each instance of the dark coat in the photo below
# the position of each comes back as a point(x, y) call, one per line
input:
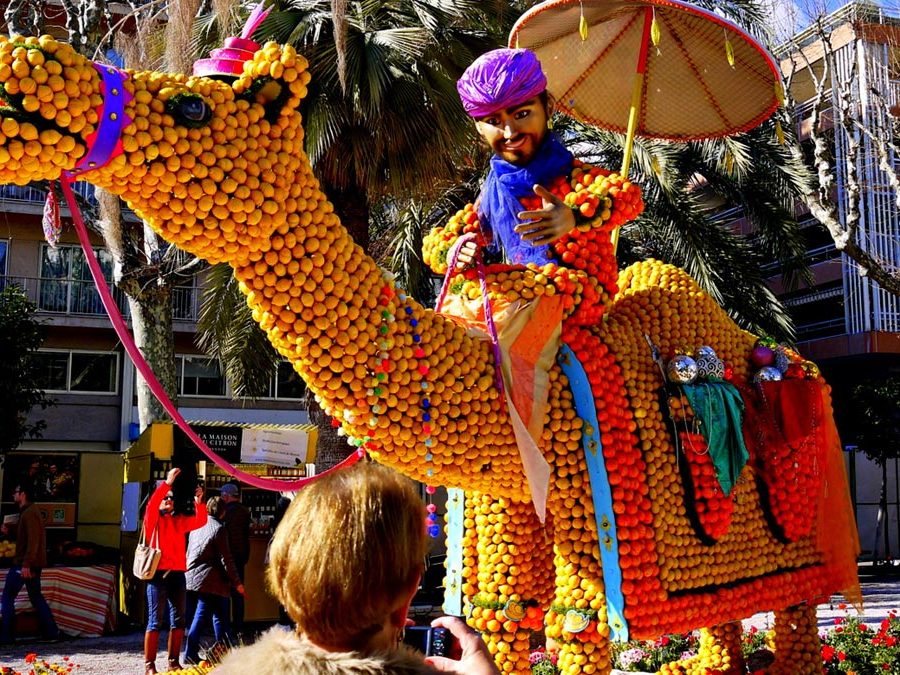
point(210, 567)
point(31, 539)
point(237, 524)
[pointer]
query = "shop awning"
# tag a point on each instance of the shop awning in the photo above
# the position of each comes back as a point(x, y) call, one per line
point(272, 444)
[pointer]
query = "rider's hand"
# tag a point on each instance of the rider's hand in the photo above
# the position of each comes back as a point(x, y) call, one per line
point(172, 475)
point(548, 223)
point(471, 654)
point(467, 255)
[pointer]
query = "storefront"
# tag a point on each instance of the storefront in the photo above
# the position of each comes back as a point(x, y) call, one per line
point(80, 504)
point(283, 452)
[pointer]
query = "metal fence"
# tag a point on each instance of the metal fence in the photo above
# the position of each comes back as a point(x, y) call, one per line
point(80, 297)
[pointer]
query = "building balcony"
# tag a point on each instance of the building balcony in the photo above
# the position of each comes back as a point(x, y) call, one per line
point(30, 199)
point(821, 329)
point(77, 302)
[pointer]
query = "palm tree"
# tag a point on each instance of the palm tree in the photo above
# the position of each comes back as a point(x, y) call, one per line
point(388, 123)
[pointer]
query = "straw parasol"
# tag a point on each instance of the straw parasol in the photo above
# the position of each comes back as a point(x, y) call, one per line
point(652, 68)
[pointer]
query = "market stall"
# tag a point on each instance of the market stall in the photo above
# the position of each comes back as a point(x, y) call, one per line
point(81, 598)
point(80, 504)
point(282, 452)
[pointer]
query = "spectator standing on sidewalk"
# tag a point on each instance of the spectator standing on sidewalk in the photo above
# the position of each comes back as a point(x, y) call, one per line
point(30, 558)
point(237, 526)
point(211, 576)
point(167, 587)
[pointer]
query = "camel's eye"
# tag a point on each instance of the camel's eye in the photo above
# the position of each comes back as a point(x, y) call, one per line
point(190, 110)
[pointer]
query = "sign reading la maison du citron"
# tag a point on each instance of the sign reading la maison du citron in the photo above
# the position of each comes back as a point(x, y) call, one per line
point(276, 446)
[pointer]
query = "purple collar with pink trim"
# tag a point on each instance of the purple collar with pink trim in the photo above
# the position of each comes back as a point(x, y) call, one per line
point(106, 142)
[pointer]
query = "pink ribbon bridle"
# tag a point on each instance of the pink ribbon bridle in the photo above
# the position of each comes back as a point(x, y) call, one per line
point(103, 146)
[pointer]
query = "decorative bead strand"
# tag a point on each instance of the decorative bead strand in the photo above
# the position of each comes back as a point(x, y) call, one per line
point(434, 529)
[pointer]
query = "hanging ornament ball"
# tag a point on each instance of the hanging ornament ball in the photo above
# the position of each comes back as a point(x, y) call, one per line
point(767, 374)
point(710, 367)
point(762, 356)
point(682, 369)
point(795, 372)
point(728, 372)
point(706, 351)
point(433, 531)
point(782, 358)
point(811, 370)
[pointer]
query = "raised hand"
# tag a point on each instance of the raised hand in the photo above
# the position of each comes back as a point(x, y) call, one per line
point(548, 223)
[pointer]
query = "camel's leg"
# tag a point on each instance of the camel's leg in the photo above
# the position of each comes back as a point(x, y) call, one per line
point(798, 650)
point(719, 653)
point(513, 572)
point(577, 619)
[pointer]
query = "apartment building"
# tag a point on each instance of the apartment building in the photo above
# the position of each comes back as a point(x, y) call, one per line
point(845, 321)
point(84, 368)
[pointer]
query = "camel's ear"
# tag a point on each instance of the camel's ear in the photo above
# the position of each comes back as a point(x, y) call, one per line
point(271, 93)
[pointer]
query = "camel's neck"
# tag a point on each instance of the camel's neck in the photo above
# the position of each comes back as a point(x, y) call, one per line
point(411, 381)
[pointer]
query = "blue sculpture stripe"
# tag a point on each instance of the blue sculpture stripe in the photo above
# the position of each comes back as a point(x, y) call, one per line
point(600, 491)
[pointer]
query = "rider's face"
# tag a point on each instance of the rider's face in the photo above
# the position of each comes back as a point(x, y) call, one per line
point(515, 133)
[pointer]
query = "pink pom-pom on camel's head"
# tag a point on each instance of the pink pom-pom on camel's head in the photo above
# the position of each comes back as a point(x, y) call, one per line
point(230, 59)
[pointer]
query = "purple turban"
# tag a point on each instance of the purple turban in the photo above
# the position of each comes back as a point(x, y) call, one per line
point(500, 79)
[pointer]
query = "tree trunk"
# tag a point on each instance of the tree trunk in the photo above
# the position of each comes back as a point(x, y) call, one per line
point(331, 448)
point(151, 317)
point(149, 300)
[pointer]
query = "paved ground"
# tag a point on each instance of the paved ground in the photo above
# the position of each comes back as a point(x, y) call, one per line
point(122, 654)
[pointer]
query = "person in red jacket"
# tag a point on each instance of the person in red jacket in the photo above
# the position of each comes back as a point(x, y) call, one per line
point(167, 587)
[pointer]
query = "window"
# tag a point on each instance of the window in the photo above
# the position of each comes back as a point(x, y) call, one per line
point(66, 282)
point(287, 383)
point(76, 371)
point(199, 376)
point(4, 247)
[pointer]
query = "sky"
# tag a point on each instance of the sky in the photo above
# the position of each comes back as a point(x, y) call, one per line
point(790, 16)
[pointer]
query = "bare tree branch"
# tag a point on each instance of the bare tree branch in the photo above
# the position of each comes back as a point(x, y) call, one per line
point(23, 17)
point(822, 202)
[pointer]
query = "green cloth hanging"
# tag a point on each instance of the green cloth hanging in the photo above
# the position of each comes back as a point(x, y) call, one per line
point(720, 409)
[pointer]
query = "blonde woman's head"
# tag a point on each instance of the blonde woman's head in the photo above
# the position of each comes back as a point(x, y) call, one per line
point(348, 553)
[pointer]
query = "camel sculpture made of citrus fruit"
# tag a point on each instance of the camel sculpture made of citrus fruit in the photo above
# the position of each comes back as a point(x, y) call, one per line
point(217, 167)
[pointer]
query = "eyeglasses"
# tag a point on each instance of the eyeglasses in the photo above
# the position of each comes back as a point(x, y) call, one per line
point(168, 498)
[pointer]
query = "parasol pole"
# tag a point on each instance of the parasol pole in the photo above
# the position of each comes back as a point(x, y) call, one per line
point(634, 113)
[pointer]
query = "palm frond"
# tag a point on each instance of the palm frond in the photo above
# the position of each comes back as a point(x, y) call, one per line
point(227, 332)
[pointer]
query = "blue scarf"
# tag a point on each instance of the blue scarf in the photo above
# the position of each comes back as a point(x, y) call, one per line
point(505, 185)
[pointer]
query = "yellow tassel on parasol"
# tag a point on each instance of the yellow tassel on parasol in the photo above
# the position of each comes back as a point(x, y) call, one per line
point(688, 81)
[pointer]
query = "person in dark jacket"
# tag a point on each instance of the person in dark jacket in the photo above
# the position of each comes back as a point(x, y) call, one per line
point(211, 575)
point(237, 525)
point(30, 558)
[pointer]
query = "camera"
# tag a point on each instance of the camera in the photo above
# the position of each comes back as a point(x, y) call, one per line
point(430, 641)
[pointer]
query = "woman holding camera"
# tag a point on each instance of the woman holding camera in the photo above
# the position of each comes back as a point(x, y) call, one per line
point(167, 587)
point(346, 562)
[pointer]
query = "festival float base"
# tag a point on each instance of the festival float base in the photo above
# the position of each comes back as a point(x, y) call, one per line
point(637, 539)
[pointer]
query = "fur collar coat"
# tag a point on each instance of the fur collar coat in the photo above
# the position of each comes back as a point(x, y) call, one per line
point(281, 652)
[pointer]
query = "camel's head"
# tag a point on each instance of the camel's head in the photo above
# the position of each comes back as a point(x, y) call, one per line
point(215, 165)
